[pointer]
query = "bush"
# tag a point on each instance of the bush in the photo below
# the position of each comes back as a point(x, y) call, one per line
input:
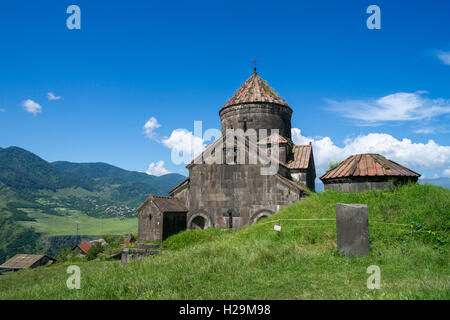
point(64, 255)
point(94, 251)
point(109, 238)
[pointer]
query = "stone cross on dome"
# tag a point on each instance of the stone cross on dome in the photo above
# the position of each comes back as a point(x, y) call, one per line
point(254, 61)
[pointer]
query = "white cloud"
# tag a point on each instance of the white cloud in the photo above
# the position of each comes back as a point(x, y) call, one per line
point(157, 169)
point(32, 107)
point(425, 130)
point(432, 130)
point(444, 56)
point(2, 110)
point(150, 127)
point(183, 141)
point(413, 155)
point(51, 96)
point(447, 172)
point(401, 106)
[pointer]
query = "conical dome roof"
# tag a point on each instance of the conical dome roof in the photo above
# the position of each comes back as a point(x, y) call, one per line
point(255, 89)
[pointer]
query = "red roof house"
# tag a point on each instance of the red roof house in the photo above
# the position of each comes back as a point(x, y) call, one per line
point(83, 247)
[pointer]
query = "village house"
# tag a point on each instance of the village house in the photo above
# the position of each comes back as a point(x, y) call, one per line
point(25, 261)
point(84, 247)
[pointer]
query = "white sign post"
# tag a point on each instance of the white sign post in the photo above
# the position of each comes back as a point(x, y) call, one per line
point(277, 228)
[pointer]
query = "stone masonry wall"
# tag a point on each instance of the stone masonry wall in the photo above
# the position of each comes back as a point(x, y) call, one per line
point(150, 223)
point(358, 186)
point(257, 116)
point(216, 190)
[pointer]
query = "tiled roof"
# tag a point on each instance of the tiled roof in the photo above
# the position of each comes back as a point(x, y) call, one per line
point(272, 138)
point(368, 165)
point(255, 89)
point(165, 204)
point(84, 246)
point(302, 154)
point(23, 261)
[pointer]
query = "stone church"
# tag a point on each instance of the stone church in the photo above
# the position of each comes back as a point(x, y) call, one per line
point(229, 193)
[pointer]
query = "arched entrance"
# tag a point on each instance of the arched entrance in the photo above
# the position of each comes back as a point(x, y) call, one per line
point(261, 214)
point(262, 217)
point(199, 221)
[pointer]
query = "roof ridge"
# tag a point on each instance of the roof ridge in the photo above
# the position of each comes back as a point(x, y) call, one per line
point(162, 197)
point(293, 183)
point(179, 185)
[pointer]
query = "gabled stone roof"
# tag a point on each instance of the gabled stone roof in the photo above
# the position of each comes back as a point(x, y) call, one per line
point(181, 184)
point(255, 89)
point(165, 204)
point(262, 153)
point(273, 138)
point(290, 182)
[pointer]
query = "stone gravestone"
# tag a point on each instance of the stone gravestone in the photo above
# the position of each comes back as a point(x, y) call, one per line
point(352, 227)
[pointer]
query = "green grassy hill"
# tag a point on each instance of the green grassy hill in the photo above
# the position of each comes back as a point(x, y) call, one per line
point(409, 234)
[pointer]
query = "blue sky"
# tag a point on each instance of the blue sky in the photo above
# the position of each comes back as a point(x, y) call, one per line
point(352, 89)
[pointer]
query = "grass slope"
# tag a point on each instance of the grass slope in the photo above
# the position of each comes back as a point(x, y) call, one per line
point(253, 263)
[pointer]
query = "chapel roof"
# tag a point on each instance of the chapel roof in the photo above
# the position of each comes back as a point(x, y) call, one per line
point(181, 184)
point(255, 89)
point(273, 138)
point(221, 141)
point(368, 165)
point(165, 204)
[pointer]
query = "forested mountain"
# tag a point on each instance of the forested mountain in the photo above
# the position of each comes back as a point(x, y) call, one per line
point(20, 169)
point(29, 183)
point(32, 178)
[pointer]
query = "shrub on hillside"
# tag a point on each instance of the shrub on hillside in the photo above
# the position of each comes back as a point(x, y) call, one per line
point(94, 251)
point(109, 238)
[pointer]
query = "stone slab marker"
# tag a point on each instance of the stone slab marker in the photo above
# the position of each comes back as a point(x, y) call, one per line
point(352, 227)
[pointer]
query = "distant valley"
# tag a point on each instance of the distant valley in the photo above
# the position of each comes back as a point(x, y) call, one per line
point(62, 198)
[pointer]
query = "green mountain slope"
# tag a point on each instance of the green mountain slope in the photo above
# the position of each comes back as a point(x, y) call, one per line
point(33, 190)
point(254, 263)
point(89, 187)
point(20, 169)
point(128, 186)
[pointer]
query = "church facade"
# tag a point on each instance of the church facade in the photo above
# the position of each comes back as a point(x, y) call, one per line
point(240, 179)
